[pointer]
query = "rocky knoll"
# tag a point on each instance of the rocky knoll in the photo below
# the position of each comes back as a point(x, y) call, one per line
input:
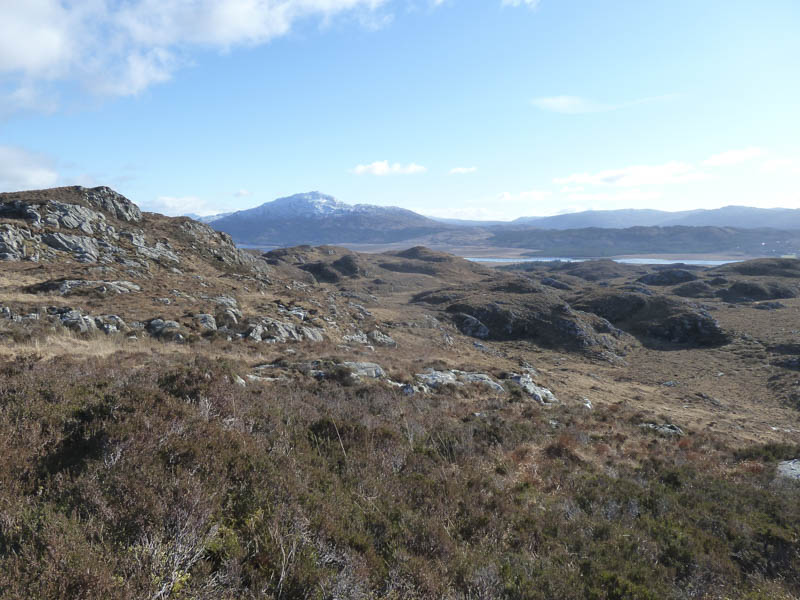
point(655, 317)
point(523, 310)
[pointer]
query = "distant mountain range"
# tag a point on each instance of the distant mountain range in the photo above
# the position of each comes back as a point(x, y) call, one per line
point(314, 218)
point(728, 216)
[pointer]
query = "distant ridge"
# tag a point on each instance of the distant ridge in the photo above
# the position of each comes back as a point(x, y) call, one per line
point(744, 217)
point(316, 218)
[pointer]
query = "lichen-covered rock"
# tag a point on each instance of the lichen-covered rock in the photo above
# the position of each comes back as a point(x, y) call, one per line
point(14, 243)
point(69, 287)
point(365, 369)
point(113, 203)
point(435, 379)
point(381, 339)
point(206, 321)
point(274, 331)
point(83, 248)
point(540, 394)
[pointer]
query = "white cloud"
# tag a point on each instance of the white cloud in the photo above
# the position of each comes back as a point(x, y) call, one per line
point(529, 3)
point(180, 205)
point(733, 157)
point(382, 167)
point(121, 48)
point(638, 175)
point(243, 193)
point(577, 105)
point(23, 170)
point(462, 170)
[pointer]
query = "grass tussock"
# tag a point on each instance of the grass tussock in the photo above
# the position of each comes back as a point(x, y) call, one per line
point(171, 481)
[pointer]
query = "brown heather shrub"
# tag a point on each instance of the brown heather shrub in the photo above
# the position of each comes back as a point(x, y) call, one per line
point(156, 476)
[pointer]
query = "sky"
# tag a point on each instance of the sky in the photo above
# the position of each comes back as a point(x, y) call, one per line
point(474, 109)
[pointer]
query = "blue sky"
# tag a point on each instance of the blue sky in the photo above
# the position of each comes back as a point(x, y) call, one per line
point(470, 109)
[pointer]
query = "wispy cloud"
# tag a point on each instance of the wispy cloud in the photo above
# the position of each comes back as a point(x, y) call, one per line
point(242, 193)
point(21, 169)
point(733, 157)
point(462, 170)
point(122, 48)
point(383, 167)
point(180, 205)
point(528, 3)
point(637, 175)
point(577, 105)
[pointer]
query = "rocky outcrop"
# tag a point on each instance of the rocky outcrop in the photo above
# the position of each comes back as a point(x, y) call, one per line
point(750, 291)
point(543, 320)
point(694, 289)
point(540, 394)
point(113, 203)
point(434, 379)
point(668, 277)
point(84, 248)
point(656, 317)
point(14, 243)
point(69, 287)
point(273, 331)
point(381, 339)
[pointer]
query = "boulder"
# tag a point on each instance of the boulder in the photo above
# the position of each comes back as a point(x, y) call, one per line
point(206, 321)
point(664, 429)
point(542, 395)
point(435, 379)
point(365, 369)
point(381, 339)
point(110, 324)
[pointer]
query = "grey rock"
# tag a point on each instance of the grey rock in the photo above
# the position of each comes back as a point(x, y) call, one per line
point(17, 209)
point(164, 329)
point(68, 287)
point(83, 248)
point(541, 394)
point(110, 324)
point(665, 429)
point(365, 369)
point(73, 216)
point(75, 320)
point(274, 331)
point(435, 379)
point(472, 327)
point(789, 469)
point(381, 339)
point(117, 205)
point(206, 321)
point(481, 379)
point(13, 242)
point(356, 338)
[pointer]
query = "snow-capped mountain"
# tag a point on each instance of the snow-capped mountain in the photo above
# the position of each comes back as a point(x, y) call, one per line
point(316, 218)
